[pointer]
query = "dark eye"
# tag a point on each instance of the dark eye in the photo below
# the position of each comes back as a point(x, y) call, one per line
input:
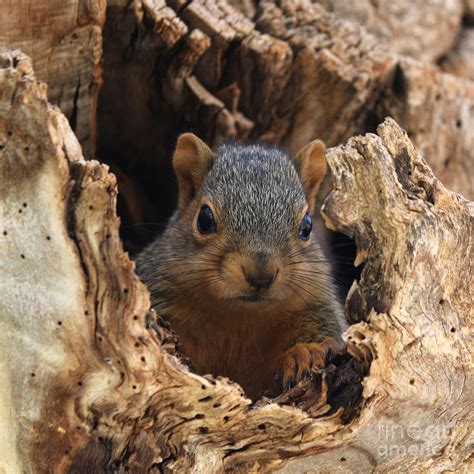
point(205, 222)
point(305, 227)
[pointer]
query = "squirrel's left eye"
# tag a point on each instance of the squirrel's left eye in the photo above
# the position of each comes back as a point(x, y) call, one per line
point(305, 227)
point(205, 221)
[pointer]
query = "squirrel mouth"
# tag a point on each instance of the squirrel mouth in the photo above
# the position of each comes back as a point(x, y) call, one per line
point(251, 298)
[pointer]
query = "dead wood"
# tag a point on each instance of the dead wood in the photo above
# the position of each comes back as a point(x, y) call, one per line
point(460, 60)
point(64, 38)
point(90, 380)
point(437, 111)
point(423, 29)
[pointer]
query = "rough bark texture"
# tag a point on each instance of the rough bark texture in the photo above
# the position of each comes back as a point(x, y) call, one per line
point(437, 110)
point(88, 375)
point(422, 29)
point(64, 38)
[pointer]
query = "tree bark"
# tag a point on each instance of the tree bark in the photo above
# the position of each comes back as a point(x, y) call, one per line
point(91, 380)
point(423, 30)
point(437, 111)
point(64, 39)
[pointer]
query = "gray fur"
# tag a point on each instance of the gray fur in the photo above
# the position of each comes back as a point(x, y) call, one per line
point(258, 196)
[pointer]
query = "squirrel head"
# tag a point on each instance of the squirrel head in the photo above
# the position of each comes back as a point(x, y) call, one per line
point(244, 213)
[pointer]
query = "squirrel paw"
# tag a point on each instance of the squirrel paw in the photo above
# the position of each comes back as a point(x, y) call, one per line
point(295, 364)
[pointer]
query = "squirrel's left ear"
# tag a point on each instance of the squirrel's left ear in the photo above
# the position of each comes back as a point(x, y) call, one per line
point(310, 162)
point(192, 159)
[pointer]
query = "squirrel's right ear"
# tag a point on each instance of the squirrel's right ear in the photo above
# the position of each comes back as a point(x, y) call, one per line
point(310, 163)
point(191, 161)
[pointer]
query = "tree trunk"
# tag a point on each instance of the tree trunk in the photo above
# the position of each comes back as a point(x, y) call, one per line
point(91, 379)
point(64, 38)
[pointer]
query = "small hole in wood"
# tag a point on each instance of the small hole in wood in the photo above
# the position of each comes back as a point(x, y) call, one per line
point(33, 374)
point(226, 419)
point(438, 97)
point(108, 236)
point(48, 237)
point(99, 339)
point(441, 301)
point(78, 428)
point(343, 459)
point(22, 256)
point(86, 312)
point(458, 123)
point(205, 399)
point(453, 330)
point(60, 323)
point(5, 232)
point(9, 133)
point(19, 211)
point(216, 405)
point(125, 290)
point(134, 387)
point(27, 149)
point(137, 344)
point(412, 381)
point(203, 387)
point(199, 416)
point(79, 383)
point(24, 204)
point(66, 451)
point(100, 439)
point(135, 317)
point(262, 426)
point(203, 429)
point(91, 208)
point(142, 359)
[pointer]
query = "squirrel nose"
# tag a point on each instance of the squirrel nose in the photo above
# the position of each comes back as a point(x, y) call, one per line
point(260, 281)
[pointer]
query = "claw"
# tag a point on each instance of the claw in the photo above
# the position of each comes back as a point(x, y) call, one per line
point(296, 363)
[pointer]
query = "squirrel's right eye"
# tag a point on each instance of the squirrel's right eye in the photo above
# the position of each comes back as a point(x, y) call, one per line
point(205, 222)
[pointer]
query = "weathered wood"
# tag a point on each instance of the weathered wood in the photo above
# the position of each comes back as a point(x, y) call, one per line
point(424, 30)
point(90, 376)
point(437, 110)
point(460, 60)
point(64, 39)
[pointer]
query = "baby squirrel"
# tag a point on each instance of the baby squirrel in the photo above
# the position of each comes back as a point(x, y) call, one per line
point(238, 272)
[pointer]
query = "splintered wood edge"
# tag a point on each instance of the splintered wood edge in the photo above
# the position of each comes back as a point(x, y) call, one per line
point(116, 392)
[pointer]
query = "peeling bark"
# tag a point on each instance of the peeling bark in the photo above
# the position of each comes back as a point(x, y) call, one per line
point(90, 377)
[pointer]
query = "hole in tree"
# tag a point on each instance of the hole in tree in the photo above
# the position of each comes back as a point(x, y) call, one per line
point(147, 185)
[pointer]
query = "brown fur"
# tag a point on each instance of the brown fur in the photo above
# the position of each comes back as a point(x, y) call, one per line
point(200, 282)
